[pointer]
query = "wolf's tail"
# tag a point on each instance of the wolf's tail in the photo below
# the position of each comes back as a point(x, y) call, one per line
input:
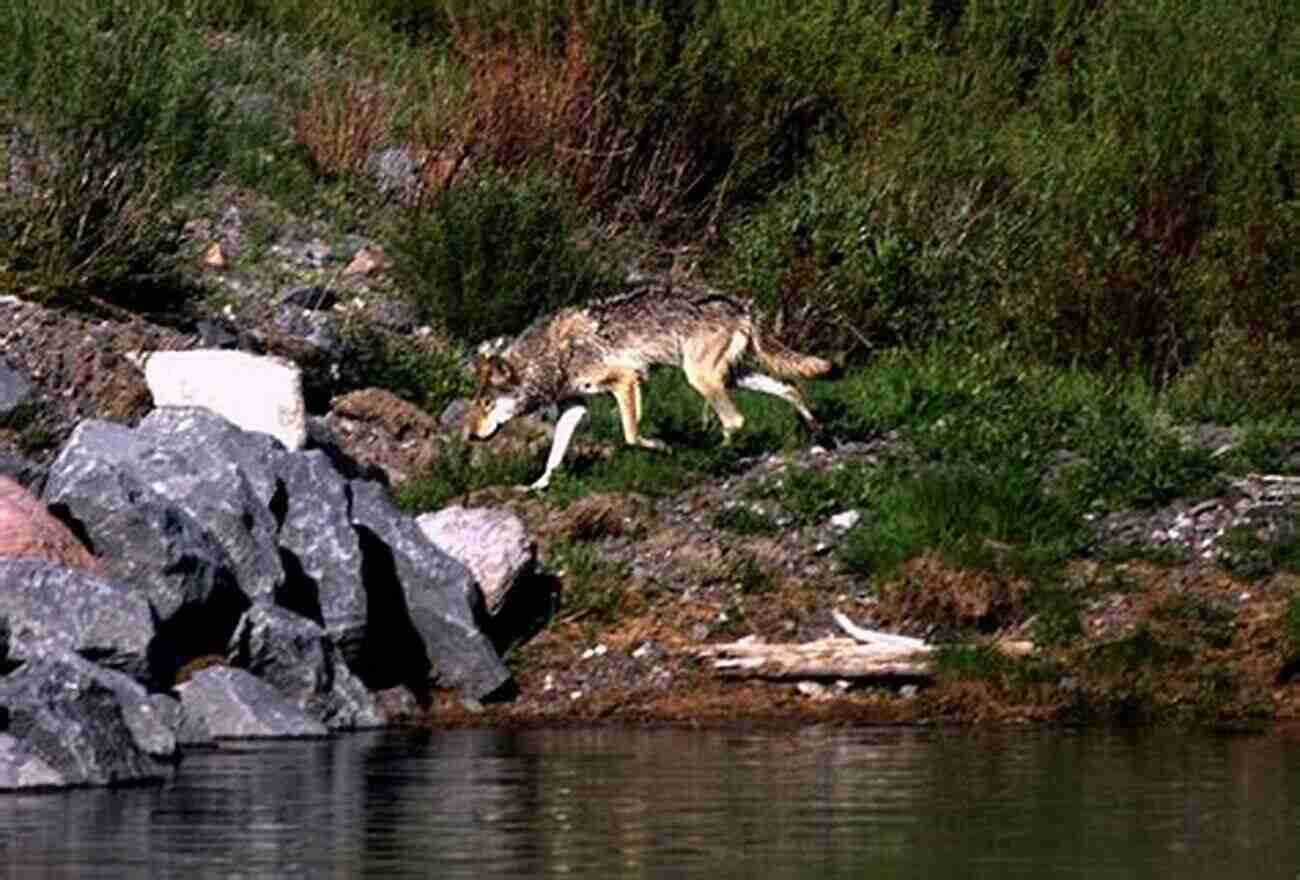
point(785, 361)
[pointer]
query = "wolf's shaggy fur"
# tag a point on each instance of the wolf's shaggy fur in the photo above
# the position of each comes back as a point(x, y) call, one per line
point(610, 345)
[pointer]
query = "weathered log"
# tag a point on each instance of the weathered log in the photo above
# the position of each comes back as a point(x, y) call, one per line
point(832, 658)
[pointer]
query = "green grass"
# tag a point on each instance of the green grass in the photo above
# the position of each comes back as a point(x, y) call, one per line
point(1254, 556)
point(592, 587)
point(744, 520)
point(992, 518)
point(1097, 187)
point(490, 256)
point(1291, 624)
point(429, 377)
point(458, 472)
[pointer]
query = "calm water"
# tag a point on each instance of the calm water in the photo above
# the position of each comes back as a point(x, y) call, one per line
point(669, 803)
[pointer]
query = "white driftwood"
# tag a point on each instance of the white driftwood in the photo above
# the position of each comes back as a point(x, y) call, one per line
point(876, 637)
point(564, 429)
point(833, 657)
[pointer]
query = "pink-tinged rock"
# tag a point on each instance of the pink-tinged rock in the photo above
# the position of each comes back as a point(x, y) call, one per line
point(28, 531)
point(490, 541)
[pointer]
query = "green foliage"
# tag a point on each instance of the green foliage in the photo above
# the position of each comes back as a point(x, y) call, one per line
point(1056, 616)
point(744, 520)
point(111, 108)
point(488, 257)
point(1253, 553)
point(811, 495)
point(591, 587)
point(993, 517)
point(965, 662)
point(428, 376)
point(458, 472)
point(1291, 624)
point(840, 272)
point(970, 661)
point(751, 576)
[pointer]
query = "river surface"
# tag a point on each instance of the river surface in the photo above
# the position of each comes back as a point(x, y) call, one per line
point(810, 802)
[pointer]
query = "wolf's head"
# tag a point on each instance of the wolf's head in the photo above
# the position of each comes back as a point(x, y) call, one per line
point(498, 396)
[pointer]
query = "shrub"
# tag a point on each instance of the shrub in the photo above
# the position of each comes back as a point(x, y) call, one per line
point(115, 99)
point(488, 257)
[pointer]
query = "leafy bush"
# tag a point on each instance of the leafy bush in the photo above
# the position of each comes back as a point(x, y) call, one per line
point(116, 100)
point(489, 257)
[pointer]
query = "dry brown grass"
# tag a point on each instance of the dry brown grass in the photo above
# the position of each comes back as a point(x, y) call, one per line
point(344, 118)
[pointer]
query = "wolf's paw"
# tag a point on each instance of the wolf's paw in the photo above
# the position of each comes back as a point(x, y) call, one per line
point(657, 445)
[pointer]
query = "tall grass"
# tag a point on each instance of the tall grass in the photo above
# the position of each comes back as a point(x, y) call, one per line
point(1110, 186)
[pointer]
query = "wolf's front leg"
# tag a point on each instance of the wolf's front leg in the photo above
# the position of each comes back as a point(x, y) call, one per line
point(627, 394)
point(564, 428)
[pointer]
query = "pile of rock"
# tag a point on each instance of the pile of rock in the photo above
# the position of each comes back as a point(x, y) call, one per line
point(187, 580)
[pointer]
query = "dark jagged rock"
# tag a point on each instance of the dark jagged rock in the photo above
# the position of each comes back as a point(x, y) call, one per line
point(312, 297)
point(15, 390)
point(231, 703)
point(102, 485)
point(216, 333)
point(227, 479)
point(48, 607)
point(425, 608)
point(27, 473)
point(295, 656)
point(66, 722)
point(321, 552)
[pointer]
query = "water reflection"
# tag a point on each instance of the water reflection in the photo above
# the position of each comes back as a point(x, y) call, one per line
point(660, 803)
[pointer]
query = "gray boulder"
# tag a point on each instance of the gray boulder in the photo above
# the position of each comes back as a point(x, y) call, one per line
point(225, 478)
point(297, 658)
point(321, 551)
point(107, 484)
point(188, 732)
point(233, 704)
point(65, 722)
point(48, 608)
point(425, 609)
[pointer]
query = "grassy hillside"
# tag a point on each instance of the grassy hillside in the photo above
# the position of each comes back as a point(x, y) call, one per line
point(1111, 185)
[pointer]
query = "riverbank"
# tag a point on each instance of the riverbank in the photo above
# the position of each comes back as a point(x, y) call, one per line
point(1065, 315)
point(1121, 635)
point(1150, 566)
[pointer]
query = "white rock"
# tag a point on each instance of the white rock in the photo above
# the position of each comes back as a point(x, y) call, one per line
point(255, 392)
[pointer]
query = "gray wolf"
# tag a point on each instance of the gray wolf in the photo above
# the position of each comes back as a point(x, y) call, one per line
point(609, 346)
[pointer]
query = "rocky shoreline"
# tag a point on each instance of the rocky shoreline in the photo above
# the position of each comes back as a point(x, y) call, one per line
point(169, 579)
point(180, 581)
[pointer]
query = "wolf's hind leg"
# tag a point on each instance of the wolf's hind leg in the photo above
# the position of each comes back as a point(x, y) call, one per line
point(764, 383)
point(715, 393)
